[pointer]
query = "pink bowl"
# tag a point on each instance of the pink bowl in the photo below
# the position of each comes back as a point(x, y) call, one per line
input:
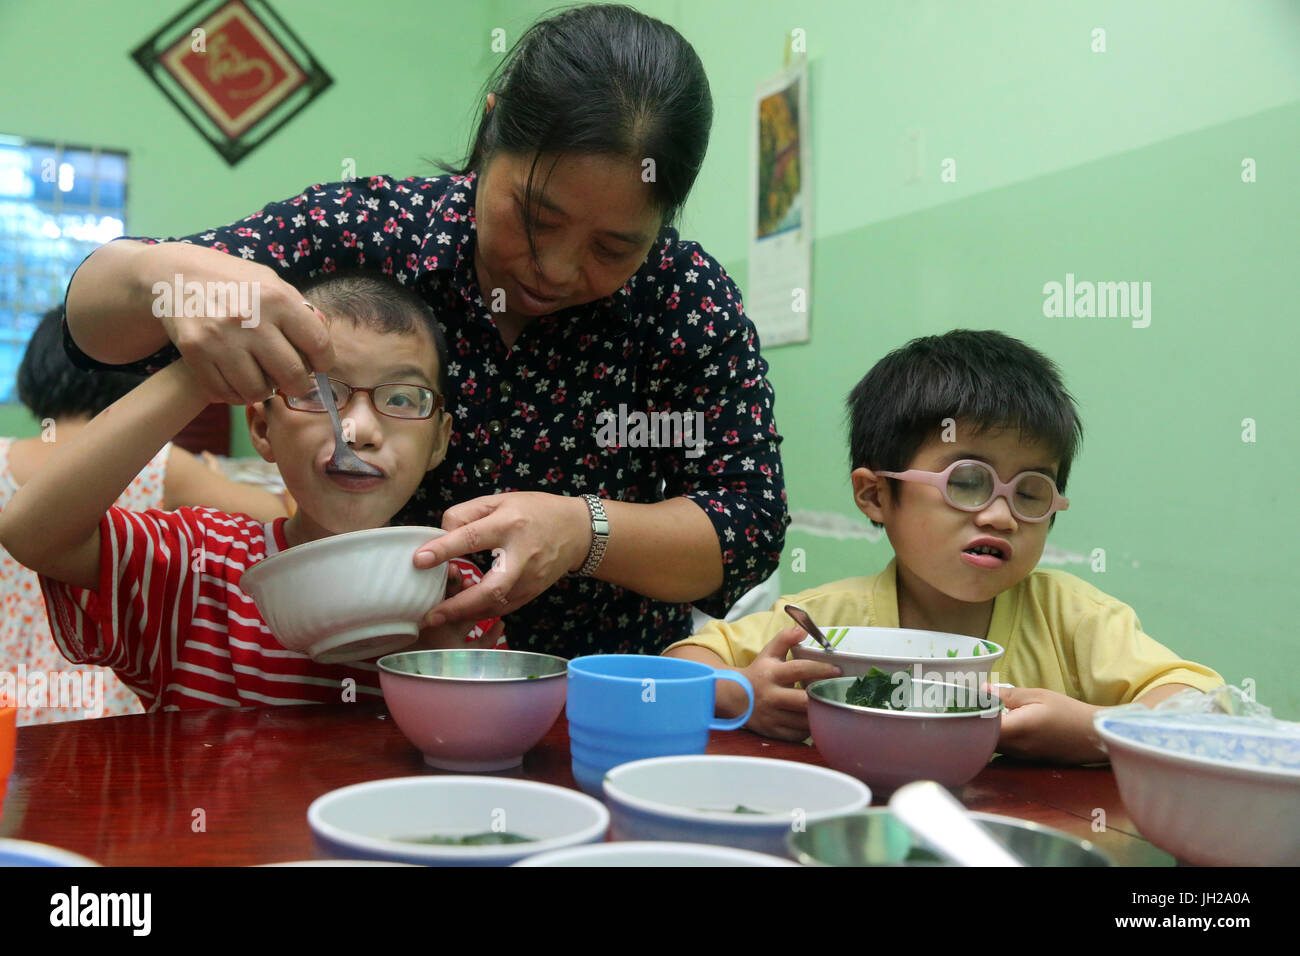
point(473, 709)
point(888, 748)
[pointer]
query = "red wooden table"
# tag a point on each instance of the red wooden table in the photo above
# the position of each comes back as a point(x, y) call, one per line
point(231, 787)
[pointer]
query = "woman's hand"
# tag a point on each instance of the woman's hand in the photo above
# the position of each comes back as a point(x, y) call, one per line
point(451, 635)
point(536, 539)
point(238, 358)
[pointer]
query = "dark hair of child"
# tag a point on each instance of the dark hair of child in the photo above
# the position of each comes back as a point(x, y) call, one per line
point(986, 379)
point(379, 303)
point(52, 387)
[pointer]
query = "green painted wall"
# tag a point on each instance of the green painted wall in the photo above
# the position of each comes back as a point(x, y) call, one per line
point(1122, 165)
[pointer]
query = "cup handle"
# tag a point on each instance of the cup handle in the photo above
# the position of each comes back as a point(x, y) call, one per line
point(743, 681)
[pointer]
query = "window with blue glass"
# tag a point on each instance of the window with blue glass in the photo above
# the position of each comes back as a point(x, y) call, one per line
point(57, 204)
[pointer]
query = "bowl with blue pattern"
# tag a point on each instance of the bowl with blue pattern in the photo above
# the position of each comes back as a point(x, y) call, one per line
point(1211, 789)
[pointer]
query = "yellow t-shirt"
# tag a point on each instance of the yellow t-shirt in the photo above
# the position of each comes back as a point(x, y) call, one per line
point(1060, 633)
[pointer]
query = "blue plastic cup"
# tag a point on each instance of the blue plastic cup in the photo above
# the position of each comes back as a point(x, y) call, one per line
point(625, 707)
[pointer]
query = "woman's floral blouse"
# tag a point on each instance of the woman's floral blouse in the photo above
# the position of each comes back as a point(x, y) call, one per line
point(556, 412)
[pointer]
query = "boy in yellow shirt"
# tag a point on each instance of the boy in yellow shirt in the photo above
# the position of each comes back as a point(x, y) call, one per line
point(961, 446)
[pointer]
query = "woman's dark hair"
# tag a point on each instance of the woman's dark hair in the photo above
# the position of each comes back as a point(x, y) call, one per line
point(983, 378)
point(52, 387)
point(603, 79)
point(377, 302)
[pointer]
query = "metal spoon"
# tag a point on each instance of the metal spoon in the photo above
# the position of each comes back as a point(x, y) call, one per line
point(802, 618)
point(344, 460)
point(930, 811)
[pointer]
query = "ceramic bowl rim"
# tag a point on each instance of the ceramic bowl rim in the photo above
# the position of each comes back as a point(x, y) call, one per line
point(658, 848)
point(914, 714)
point(1137, 747)
point(434, 853)
point(443, 679)
point(810, 643)
point(765, 820)
point(331, 542)
point(44, 852)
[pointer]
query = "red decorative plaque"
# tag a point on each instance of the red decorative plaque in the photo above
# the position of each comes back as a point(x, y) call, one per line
point(234, 70)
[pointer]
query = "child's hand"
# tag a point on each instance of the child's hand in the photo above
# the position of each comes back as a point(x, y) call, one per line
point(451, 635)
point(781, 710)
point(1040, 724)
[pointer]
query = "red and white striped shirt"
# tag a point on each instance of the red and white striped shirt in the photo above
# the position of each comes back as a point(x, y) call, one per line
point(180, 632)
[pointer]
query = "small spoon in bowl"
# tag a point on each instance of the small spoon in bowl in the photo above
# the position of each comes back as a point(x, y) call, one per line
point(804, 620)
point(930, 811)
point(344, 460)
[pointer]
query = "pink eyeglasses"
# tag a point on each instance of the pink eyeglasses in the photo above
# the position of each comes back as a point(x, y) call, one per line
point(970, 485)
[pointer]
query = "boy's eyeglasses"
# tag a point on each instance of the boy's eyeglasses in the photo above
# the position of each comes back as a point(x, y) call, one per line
point(970, 485)
point(395, 399)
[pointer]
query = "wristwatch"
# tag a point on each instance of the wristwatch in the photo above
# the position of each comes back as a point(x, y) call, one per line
point(599, 537)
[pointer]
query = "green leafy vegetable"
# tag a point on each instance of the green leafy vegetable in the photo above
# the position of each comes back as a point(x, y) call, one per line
point(740, 808)
point(872, 689)
point(952, 653)
point(875, 689)
point(491, 838)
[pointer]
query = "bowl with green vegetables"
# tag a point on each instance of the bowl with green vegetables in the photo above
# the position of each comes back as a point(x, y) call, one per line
point(888, 729)
point(453, 820)
point(738, 801)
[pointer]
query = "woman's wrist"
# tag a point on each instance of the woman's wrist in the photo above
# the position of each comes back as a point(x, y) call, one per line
point(665, 550)
point(584, 533)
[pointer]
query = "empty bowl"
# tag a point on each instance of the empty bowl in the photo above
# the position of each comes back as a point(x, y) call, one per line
point(932, 655)
point(453, 821)
point(1211, 789)
point(946, 732)
point(745, 802)
point(653, 854)
point(875, 837)
point(348, 597)
point(473, 710)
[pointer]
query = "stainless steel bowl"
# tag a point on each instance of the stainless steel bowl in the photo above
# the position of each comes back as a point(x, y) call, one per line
point(474, 710)
point(875, 838)
point(475, 665)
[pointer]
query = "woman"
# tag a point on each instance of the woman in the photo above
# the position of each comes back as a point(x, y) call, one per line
point(569, 301)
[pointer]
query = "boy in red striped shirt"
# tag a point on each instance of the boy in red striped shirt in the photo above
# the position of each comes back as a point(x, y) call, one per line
point(156, 596)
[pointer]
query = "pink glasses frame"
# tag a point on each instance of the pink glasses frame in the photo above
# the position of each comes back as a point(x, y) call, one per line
point(1001, 489)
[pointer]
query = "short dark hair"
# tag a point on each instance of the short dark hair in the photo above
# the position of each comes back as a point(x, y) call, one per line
point(599, 79)
point(52, 387)
point(986, 378)
point(378, 302)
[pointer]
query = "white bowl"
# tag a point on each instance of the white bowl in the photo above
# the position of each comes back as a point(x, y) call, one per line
point(1211, 789)
point(376, 820)
point(653, 854)
point(693, 799)
point(28, 853)
point(333, 863)
point(947, 658)
point(350, 596)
